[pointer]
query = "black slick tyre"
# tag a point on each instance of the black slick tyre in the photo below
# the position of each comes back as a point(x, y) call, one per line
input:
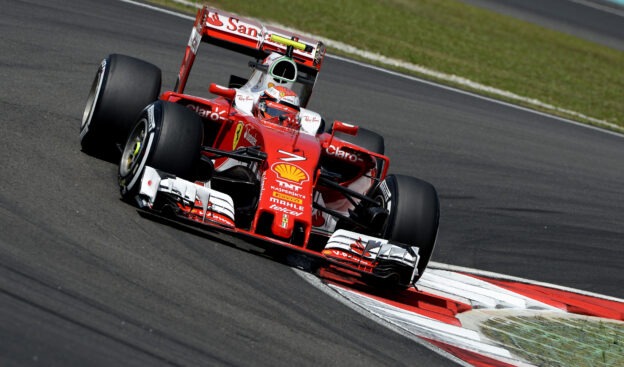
point(364, 138)
point(167, 137)
point(414, 214)
point(122, 87)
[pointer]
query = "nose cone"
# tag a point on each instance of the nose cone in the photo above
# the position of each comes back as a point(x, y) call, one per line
point(287, 185)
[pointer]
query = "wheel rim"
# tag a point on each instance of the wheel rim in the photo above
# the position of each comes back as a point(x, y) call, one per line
point(92, 99)
point(134, 149)
point(385, 203)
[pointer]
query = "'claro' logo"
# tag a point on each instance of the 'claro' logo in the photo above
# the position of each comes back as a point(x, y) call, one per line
point(290, 172)
point(343, 154)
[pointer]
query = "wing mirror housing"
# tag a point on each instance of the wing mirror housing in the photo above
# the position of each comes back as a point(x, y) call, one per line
point(344, 128)
point(227, 93)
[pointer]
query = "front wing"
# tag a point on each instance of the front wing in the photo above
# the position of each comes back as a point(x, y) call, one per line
point(201, 206)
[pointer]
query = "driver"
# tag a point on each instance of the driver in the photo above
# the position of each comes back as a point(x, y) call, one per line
point(277, 102)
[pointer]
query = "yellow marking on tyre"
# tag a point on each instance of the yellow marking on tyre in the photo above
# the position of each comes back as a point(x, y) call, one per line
point(137, 148)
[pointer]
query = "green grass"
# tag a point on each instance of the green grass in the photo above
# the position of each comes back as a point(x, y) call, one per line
point(455, 38)
point(559, 342)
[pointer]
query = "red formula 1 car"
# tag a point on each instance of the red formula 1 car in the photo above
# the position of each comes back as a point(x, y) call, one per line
point(254, 163)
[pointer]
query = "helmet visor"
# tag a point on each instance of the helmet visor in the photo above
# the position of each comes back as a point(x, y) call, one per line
point(270, 109)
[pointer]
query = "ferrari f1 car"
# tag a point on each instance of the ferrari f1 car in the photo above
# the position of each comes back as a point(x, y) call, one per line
point(253, 163)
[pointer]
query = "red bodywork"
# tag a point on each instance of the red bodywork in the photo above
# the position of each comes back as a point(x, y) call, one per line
point(290, 173)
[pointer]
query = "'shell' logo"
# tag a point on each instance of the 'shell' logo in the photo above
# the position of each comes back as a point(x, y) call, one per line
point(290, 172)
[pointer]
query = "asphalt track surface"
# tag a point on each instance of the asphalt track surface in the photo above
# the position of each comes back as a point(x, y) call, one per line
point(85, 280)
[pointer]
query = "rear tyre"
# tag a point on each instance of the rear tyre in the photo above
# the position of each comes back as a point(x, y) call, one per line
point(414, 216)
point(122, 87)
point(167, 137)
point(364, 138)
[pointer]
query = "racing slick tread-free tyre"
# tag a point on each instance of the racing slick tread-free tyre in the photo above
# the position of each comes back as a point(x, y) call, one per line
point(122, 87)
point(414, 214)
point(364, 138)
point(167, 137)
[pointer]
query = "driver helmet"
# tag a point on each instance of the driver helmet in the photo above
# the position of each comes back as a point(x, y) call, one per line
point(277, 101)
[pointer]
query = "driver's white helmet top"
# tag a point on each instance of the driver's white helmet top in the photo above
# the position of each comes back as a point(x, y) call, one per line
point(282, 94)
point(277, 102)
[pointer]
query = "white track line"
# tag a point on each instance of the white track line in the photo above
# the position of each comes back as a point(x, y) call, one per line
point(487, 300)
point(606, 9)
point(317, 283)
point(460, 269)
point(415, 326)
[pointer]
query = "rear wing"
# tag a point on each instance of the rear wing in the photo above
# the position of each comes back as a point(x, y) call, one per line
point(249, 37)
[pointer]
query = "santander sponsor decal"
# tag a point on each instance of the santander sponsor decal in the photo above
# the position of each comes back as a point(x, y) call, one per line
point(232, 25)
point(214, 20)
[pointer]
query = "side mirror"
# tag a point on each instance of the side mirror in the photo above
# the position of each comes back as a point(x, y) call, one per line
point(345, 128)
point(226, 93)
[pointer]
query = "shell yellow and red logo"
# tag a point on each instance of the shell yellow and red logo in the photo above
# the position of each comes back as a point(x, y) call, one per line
point(290, 172)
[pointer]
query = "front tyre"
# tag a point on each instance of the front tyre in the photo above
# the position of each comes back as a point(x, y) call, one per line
point(167, 137)
point(122, 87)
point(414, 214)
